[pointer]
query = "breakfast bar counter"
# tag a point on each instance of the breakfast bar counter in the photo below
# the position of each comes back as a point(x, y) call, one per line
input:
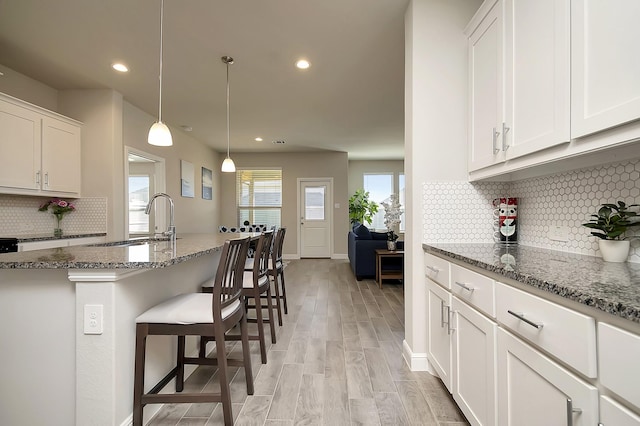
point(69, 324)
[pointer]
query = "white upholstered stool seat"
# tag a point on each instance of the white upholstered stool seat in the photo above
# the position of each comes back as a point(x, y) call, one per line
point(190, 308)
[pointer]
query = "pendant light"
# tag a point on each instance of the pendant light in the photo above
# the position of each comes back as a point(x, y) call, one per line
point(159, 133)
point(227, 165)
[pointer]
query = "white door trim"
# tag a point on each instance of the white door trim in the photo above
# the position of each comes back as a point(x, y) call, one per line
point(329, 181)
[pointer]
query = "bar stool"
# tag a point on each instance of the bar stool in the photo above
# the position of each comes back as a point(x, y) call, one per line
point(276, 272)
point(198, 314)
point(255, 284)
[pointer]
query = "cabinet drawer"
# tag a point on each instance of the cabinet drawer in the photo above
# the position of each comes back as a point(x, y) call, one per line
point(564, 333)
point(437, 269)
point(475, 289)
point(614, 414)
point(619, 352)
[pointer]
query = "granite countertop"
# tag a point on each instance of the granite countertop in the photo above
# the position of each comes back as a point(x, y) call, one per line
point(48, 237)
point(610, 287)
point(145, 254)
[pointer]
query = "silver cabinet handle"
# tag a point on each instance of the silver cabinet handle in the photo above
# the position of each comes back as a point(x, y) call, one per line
point(521, 317)
point(433, 269)
point(46, 178)
point(495, 140)
point(442, 322)
point(465, 286)
point(38, 178)
point(570, 411)
point(505, 130)
point(448, 308)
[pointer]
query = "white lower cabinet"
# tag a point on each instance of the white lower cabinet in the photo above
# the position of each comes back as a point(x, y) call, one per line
point(439, 341)
point(535, 390)
point(614, 414)
point(474, 364)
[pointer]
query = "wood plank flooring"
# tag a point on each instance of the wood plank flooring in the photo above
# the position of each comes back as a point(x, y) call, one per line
point(337, 361)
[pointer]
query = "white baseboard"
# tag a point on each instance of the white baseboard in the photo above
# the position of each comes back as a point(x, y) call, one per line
point(415, 361)
point(340, 256)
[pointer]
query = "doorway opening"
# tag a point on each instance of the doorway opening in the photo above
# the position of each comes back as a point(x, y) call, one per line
point(144, 176)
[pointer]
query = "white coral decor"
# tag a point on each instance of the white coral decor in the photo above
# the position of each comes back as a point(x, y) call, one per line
point(392, 212)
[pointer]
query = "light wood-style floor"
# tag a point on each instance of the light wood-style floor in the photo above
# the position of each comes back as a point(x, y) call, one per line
point(337, 361)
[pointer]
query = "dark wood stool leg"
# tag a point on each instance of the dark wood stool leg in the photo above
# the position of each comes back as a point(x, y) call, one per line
point(284, 292)
point(138, 380)
point(260, 325)
point(180, 365)
point(277, 297)
point(225, 391)
point(272, 323)
point(246, 351)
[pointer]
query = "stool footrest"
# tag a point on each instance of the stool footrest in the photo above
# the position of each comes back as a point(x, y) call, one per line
point(178, 398)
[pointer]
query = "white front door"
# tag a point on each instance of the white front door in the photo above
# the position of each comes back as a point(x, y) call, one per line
point(315, 218)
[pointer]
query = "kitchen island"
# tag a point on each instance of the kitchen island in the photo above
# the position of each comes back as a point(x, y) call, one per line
point(54, 372)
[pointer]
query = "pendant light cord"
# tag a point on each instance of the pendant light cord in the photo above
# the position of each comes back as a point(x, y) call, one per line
point(161, 39)
point(228, 131)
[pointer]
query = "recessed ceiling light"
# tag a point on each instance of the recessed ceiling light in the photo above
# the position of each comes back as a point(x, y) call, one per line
point(120, 67)
point(258, 139)
point(303, 64)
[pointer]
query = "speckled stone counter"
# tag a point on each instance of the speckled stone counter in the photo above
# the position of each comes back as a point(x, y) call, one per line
point(610, 287)
point(48, 237)
point(150, 254)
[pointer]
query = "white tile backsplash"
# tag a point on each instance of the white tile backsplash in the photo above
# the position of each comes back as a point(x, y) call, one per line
point(20, 216)
point(463, 212)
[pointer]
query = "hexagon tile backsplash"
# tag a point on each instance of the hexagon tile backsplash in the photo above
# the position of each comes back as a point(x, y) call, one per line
point(461, 211)
point(19, 216)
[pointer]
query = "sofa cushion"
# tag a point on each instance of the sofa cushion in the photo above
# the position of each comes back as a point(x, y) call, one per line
point(362, 232)
point(378, 235)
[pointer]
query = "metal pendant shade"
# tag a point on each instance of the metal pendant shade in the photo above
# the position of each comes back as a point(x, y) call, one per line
point(228, 165)
point(159, 134)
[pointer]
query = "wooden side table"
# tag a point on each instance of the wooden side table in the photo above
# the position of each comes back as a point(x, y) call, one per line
point(389, 272)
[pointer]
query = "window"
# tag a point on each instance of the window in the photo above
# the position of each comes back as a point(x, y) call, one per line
point(259, 196)
point(380, 187)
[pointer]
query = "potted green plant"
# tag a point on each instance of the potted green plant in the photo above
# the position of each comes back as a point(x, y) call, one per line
point(610, 224)
point(361, 209)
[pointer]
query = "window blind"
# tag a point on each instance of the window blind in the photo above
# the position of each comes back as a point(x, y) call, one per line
point(259, 196)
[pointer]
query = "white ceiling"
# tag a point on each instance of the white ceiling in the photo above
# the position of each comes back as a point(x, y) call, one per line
point(351, 99)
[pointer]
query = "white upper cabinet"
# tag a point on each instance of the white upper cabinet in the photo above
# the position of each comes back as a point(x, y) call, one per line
point(39, 151)
point(605, 64)
point(537, 73)
point(519, 73)
point(485, 63)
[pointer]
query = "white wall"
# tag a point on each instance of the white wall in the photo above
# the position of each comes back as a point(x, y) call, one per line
point(435, 134)
point(22, 87)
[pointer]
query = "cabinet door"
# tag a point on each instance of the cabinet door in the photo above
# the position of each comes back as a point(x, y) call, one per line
point(537, 73)
point(19, 147)
point(60, 156)
point(605, 87)
point(614, 414)
point(439, 329)
point(533, 390)
point(485, 74)
point(474, 371)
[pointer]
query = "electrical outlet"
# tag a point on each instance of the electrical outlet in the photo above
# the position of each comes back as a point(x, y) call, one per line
point(559, 233)
point(93, 319)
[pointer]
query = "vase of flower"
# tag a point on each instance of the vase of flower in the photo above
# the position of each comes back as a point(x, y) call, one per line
point(392, 213)
point(391, 245)
point(58, 209)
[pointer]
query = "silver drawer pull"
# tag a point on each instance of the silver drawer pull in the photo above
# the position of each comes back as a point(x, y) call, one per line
point(521, 317)
point(464, 286)
point(571, 410)
point(433, 269)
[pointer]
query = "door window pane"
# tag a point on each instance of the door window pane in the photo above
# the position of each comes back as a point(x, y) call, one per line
point(314, 198)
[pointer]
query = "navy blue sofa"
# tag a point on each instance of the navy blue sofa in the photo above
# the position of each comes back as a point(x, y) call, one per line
point(362, 245)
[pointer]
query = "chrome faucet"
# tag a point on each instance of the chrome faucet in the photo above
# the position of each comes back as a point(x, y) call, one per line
point(171, 229)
